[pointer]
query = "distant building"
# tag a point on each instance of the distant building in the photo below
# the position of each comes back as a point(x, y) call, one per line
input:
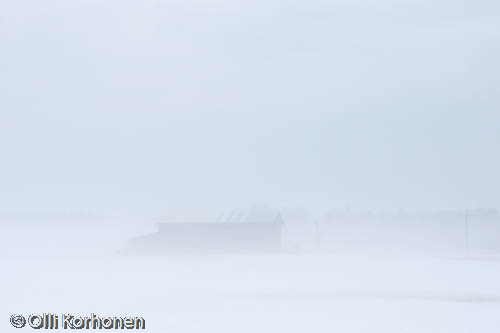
point(252, 232)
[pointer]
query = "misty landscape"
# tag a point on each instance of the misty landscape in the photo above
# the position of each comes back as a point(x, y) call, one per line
point(269, 166)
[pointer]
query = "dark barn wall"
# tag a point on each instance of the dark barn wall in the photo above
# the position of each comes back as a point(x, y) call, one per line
point(213, 237)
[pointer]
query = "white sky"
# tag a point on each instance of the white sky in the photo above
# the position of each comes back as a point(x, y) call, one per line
point(188, 107)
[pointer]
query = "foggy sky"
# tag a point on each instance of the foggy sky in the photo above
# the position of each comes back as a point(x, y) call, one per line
point(185, 108)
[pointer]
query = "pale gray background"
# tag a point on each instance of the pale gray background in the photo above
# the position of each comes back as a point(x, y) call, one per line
point(184, 108)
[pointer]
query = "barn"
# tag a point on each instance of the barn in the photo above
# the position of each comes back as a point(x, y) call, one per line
point(241, 233)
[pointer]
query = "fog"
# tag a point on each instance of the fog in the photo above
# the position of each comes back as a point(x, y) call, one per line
point(371, 128)
point(193, 165)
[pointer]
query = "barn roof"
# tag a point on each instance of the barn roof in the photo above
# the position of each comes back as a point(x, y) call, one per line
point(255, 214)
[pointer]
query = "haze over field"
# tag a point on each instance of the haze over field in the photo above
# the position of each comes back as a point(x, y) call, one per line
point(372, 127)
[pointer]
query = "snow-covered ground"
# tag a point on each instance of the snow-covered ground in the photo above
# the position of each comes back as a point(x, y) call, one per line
point(79, 269)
